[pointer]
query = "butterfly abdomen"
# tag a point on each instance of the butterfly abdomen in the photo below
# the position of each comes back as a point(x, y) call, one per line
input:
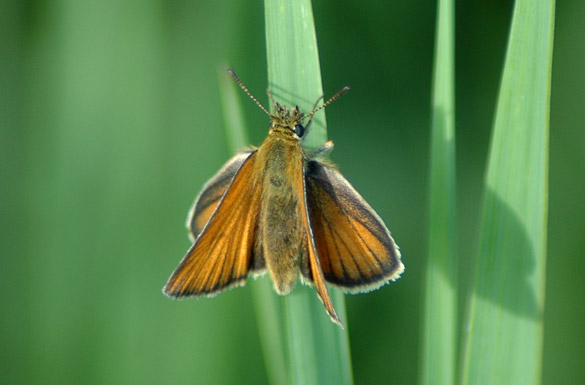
point(281, 227)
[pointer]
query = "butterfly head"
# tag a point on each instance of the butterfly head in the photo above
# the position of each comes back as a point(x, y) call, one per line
point(288, 118)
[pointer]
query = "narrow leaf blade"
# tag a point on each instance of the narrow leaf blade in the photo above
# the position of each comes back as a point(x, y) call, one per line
point(440, 319)
point(504, 345)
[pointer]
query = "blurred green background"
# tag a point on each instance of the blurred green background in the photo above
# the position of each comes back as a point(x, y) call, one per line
point(110, 123)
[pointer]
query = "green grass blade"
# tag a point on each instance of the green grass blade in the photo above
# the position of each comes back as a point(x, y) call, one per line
point(294, 75)
point(504, 345)
point(268, 307)
point(318, 349)
point(440, 312)
point(267, 304)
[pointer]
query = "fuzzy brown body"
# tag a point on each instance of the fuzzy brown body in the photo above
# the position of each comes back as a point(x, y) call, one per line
point(282, 238)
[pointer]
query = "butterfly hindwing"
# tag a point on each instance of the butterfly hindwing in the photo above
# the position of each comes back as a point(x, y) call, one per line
point(223, 253)
point(354, 247)
point(212, 192)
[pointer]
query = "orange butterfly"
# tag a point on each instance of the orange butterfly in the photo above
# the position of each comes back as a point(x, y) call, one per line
point(280, 209)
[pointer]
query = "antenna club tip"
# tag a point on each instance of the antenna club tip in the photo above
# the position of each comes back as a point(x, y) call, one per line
point(233, 75)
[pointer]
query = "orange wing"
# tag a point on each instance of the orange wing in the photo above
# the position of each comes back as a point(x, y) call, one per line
point(355, 249)
point(223, 253)
point(212, 192)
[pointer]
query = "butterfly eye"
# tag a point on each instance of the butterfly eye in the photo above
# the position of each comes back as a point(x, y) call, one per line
point(299, 130)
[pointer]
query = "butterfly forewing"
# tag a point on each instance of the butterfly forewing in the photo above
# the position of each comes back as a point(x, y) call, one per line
point(211, 194)
point(311, 265)
point(354, 246)
point(223, 253)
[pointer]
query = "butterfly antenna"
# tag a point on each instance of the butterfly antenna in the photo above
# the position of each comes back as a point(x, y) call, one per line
point(243, 87)
point(328, 102)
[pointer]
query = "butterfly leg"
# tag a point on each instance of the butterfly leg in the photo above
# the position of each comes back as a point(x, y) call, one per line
point(322, 151)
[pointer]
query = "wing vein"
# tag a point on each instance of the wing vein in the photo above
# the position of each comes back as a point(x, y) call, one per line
point(351, 255)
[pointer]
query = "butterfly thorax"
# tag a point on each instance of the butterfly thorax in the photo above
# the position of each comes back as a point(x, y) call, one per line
point(282, 238)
